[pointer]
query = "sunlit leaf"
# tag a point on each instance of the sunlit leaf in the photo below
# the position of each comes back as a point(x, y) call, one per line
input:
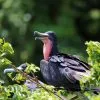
point(8, 48)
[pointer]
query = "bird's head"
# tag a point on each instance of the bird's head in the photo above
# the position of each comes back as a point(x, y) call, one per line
point(50, 43)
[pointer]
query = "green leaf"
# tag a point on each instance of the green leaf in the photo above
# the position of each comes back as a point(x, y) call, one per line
point(1, 41)
point(5, 61)
point(32, 68)
point(8, 48)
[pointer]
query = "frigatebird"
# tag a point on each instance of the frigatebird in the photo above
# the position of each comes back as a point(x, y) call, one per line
point(59, 69)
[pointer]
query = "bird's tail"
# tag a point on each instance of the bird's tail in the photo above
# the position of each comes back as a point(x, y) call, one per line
point(94, 90)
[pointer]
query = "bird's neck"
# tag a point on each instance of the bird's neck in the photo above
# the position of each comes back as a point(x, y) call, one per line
point(54, 50)
point(49, 50)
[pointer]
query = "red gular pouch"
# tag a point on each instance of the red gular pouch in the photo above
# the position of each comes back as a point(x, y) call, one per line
point(47, 47)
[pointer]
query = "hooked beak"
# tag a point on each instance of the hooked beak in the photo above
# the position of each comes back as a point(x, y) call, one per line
point(40, 36)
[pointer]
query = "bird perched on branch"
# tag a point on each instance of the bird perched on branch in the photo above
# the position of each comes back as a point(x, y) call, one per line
point(60, 69)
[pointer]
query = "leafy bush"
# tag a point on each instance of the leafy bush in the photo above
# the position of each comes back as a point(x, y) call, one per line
point(5, 50)
point(93, 50)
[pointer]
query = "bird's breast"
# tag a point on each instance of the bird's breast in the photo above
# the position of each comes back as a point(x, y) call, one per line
point(51, 73)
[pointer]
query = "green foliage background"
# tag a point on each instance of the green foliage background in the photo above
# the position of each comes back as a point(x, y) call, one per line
point(74, 21)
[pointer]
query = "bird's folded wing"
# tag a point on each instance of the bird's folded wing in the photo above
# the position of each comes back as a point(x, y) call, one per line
point(72, 68)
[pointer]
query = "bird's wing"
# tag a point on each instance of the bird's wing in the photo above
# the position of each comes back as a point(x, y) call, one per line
point(71, 67)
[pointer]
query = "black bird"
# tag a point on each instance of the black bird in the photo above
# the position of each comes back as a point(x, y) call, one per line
point(60, 69)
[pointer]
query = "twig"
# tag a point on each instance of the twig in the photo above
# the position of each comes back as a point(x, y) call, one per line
point(35, 80)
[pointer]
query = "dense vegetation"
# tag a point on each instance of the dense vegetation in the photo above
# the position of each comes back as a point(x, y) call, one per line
point(18, 91)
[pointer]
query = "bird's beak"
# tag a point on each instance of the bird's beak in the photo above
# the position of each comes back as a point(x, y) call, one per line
point(40, 36)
